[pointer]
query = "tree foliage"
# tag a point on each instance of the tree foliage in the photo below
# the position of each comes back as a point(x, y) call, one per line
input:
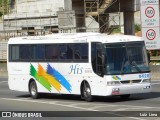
point(3, 7)
point(137, 27)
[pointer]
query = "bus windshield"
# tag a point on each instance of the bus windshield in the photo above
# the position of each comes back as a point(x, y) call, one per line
point(125, 58)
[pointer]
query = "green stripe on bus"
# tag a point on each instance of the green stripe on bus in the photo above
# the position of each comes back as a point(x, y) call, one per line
point(40, 79)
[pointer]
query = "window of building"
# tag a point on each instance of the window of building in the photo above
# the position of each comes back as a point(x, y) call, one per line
point(91, 6)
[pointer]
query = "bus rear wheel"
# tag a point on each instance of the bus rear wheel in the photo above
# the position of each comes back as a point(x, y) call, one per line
point(33, 90)
point(86, 91)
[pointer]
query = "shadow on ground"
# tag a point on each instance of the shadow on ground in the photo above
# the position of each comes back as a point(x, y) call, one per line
point(112, 99)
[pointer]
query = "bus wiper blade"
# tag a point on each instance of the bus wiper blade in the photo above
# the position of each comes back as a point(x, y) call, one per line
point(122, 65)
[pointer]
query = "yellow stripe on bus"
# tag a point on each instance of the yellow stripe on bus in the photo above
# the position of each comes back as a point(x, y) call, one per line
point(49, 78)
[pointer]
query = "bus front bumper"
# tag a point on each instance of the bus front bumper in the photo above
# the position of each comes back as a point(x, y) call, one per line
point(128, 89)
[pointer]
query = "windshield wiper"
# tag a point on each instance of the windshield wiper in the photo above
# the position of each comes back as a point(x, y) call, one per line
point(122, 65)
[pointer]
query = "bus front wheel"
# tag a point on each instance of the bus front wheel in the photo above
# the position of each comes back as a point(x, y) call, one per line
point(86, 91)
point(33, 90)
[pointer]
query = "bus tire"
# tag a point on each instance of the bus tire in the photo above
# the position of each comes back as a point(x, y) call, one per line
point(125, 97)
point(86, 92)
point(33, 90)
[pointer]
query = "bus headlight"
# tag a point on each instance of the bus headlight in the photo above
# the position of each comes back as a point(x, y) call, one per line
point(113, 83)
point(147, 80)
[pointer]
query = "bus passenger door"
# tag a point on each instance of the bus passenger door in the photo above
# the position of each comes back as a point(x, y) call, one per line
point(97, 58)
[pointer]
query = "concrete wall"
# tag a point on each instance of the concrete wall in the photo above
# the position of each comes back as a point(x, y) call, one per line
point(91, 24)
point(40, 15)
point(125, 6)
point(3, 51)
point(30, 6)
point(78, 7)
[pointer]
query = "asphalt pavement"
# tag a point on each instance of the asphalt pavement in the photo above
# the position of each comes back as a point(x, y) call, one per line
point(58, 106)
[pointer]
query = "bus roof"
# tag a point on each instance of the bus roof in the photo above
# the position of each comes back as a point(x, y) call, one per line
point(74, 38)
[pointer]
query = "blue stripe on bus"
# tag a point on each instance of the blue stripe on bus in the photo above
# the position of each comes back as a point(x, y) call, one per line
point(58, 77)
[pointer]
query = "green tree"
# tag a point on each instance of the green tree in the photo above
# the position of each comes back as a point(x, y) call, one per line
point(3, 7)
point(137, 27)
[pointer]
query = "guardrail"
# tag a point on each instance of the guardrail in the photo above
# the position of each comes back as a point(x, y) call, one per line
point(3, 51)
point(155, 58)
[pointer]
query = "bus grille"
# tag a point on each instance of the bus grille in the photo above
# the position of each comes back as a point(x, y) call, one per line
point(130, 81)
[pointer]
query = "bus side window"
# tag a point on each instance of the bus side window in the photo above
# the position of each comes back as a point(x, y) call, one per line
point(77, 51)
point(77, 54)
point(69, 52)
point(41, 52)
point(54, 53)
point(48, 52)
point(25, 52)
point(84, 52)
point(62, 51)
point(81, 51)
point(38, 52)
point(51, 52)
point(33, 52)
point(14, 52)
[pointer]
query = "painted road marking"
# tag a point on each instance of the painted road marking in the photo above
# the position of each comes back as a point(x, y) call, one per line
point(3, 82)
point(71, 106)
point(96, 107)
point(56, 103)
point(125, 109)
point(43, 102)
point(128, 106)
point(75, 104)
point(155, 83)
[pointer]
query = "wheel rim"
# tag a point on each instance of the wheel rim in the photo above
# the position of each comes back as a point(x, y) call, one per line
point(33, 90)
point(87, 91)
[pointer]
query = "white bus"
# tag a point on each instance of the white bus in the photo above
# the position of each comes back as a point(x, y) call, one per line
point(86, 64)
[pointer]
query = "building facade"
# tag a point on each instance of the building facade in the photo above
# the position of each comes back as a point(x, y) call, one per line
point(40, 17)
point(37, 17)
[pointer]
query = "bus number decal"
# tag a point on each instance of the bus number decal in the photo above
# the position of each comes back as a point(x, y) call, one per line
point(144, 76)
